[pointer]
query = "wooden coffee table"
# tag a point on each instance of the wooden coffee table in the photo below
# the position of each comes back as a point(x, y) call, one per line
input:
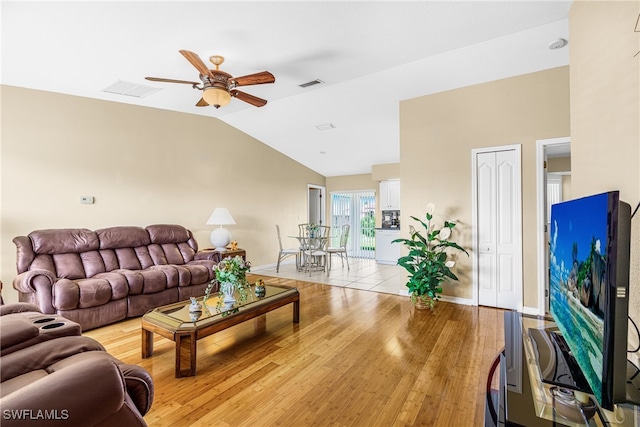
point(174, 321)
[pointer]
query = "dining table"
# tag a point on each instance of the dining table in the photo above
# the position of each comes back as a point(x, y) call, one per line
point(313, 249)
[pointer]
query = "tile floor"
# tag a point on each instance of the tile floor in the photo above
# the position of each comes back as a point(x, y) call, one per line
point(364, 274)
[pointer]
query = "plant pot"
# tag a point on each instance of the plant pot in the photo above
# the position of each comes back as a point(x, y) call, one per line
point(228, 289)
point(424, 303)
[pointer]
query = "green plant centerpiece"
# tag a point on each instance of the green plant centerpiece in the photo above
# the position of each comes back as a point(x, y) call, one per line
point(231, 274)
point(427, 261)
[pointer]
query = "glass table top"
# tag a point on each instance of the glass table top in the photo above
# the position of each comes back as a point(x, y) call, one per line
point(178, 315)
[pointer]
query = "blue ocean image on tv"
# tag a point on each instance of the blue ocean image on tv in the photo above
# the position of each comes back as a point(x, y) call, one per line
point(577, 262)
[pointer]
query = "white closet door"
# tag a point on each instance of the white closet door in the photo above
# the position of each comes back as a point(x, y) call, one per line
point(499, 229)
point(486, 181)
point(508, 188)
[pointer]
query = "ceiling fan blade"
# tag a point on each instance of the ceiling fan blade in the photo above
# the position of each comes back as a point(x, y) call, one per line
point(202, 103)
point(254, 79)
point(197, 62)
point(253, 100)
point(160, 79)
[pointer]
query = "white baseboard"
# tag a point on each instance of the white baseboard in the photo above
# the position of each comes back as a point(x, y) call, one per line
point(256, 268)
point(532, 311)
point(457, 300)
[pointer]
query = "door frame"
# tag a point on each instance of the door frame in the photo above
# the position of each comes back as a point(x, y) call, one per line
point(474, 213)
point(323, 202)
point(541, 206)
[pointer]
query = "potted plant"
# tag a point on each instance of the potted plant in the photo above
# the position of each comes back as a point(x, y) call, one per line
point(427, 262)
point(231, 274)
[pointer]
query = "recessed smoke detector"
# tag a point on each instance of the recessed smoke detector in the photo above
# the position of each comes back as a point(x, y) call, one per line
point(311, 83)
point(326, 126)
point(130, 89)
point(557, 44)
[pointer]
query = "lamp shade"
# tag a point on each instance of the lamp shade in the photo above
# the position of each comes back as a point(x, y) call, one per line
point(220, 216)
point(216, 96)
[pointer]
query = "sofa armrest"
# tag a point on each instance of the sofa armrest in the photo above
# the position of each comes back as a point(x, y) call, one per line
point(40, 283)
point(30, 281)
point(207, 254)
point(85, 394)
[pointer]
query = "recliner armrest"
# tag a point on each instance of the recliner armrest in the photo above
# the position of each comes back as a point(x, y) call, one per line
point(139, 386)
point(18, 307)
point(45, 354)
point(85, 394)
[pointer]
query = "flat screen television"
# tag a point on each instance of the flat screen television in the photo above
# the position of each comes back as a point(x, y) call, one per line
point(589, 290)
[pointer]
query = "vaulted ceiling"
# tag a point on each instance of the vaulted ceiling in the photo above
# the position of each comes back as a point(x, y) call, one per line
point(369, 56)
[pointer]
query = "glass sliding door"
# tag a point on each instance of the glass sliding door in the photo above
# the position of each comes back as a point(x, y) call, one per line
point(356, 208)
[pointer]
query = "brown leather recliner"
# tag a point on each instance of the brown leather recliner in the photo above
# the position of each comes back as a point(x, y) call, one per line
point(99, 277)
point(67, 380)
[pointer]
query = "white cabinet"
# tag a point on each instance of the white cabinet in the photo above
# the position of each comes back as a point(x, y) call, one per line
point(390, 194)
point(387, 252)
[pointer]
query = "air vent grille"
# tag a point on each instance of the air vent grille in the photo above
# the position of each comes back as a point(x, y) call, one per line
point(130, 89)
point(326, 126)
point(311, 83)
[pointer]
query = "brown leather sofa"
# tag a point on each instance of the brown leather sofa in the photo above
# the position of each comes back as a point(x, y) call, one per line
point(65, 378)
point(99, 277)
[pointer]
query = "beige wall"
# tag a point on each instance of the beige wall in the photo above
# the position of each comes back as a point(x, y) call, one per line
point(438, 132)
point(605, 111)
point(351, 183)
point(559, 164)
point(566, 188)
point(385, 171)
point(143, 166)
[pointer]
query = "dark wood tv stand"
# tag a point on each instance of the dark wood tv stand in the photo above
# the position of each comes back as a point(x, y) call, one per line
point(522, 399)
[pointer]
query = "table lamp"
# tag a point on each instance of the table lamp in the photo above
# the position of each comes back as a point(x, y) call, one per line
point(220, 237)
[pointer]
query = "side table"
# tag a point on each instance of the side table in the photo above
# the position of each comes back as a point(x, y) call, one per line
point(217, 256)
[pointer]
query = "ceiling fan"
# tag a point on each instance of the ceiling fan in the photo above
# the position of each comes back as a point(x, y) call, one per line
point(219, 87)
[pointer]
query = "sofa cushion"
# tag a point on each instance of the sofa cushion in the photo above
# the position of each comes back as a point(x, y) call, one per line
point(174, 274)
point(59, 241)
point(122, 237)
point(69, 266)
point(93, 292)
point(154, 281)
point(118, 283)
point(92, 263)
point(168, 233)
point(15, 329)
point(128, 259)
point(200, 273)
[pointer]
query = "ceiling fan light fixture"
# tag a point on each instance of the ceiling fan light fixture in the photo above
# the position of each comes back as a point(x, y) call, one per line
point(216, 96)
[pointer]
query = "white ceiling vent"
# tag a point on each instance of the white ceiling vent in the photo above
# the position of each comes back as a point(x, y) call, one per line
point(130, 89)
point(311, 83)
point(326, 126)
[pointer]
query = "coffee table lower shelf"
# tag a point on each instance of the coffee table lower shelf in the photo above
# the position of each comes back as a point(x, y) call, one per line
point(167, 322)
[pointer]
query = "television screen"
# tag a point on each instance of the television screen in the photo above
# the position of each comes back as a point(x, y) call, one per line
point(589, 252)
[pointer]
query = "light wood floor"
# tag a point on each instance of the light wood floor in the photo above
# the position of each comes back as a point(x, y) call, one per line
point(357, 358)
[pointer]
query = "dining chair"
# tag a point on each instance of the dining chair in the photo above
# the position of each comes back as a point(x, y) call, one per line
point(342, 249)
point(284, 253)
point(314, 247)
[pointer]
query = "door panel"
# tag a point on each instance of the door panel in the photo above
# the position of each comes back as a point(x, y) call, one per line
point(498, 231)
point(486, 275)
point(487, 229)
